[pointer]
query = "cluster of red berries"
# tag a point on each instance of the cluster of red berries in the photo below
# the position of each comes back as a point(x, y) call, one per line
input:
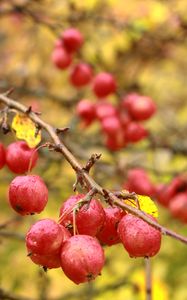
point(68, 44)
point(75, 242)
point(120, 125)
point(172, 196)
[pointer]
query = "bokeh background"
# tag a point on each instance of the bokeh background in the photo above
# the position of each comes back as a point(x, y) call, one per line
point(144, 45)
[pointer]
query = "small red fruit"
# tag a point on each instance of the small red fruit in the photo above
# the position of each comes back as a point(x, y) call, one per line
point(19, 157)
point(104, 84)
point(115, 143)
point(61, 58)
point(28, 194)
point(86, 110)
point(108, 234)
point(167, 192)
point(81, 75)
point(135, 132)
point(2, 156)
point(104, 110)
point(111, 125)
point(128, 99)
point(45, 237)
point(72, 39)
point(47, 261)
point(139, 107)
point(138, 237)
point(82, 258)
point(178, 207)
point(89, 219)
point(139, 182)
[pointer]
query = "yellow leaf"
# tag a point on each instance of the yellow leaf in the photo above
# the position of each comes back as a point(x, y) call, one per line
point(145, 204)
point(26, 130)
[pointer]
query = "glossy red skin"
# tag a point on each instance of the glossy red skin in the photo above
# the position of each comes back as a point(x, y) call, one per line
point(72, 39)
point(141, 107)
point(108, 234)
point(178, 207)
point(135, 132)
point(45, 237)
point(2, 156)
point(47, 261)
point(18, 157)
point(111, 125)
point(89, 220)
point(104, 84)
point(28, 194)
point(82, 258)
point(104, 110)
point(139, 182)
point(61, 58)
point(81, 75)
point(138, 237)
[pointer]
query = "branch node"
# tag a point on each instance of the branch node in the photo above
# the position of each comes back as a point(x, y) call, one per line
point(106, 195)
point(61, 130)
point(92, 160)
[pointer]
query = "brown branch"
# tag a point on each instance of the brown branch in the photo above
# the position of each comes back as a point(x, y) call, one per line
point(88, 180)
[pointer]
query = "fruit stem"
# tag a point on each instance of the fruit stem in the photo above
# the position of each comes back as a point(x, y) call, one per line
point(148, 279)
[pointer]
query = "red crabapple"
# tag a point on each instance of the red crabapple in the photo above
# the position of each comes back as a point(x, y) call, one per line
point(81, 75)
point(165, 193)
point(111, 125)
point(178, 206)
point(135, 132)
point(2, 156)
point(45, 237)
point(28, 194)
point(105, 109)
point(115, 143)
point(108, 234)
point(19, 157)
point(61, 58)
point(139, 182)
point(72, 39)
point(89, 218)
point(82, 258)
point(128, 99)
point(139, 107)
point(86, 110)
point(50, 261)
point(104, 84)
point(138, 237)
